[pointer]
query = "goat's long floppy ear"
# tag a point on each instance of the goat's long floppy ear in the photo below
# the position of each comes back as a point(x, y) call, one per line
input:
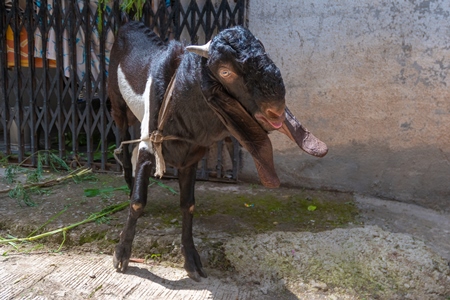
point(200, 50)
point(249, 134)
point(302, 137)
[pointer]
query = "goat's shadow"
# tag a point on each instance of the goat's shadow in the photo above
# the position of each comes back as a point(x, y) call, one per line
point(187, 283)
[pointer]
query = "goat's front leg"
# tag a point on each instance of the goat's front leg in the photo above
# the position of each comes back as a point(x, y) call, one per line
point(138, 201)
point(192, 262)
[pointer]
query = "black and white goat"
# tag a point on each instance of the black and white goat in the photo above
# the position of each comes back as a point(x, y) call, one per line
point(228, 86)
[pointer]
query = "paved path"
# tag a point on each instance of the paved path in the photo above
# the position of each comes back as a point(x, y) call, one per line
point(89, 276)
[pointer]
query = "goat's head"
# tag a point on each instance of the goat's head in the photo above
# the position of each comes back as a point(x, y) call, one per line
point(238, 65)
point(248, 90)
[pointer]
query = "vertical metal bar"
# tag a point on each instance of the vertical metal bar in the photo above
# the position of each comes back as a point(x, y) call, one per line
point(245, 7)
point(57, 26)
point(102, 91)
point(219, 162)
point(4, 80)
point(117, 21)
point(203, 169)
point(145, 18)
point(236, 158)
point(88, 83)
point(159, 19)
point(32, 75)
point(43, 27)
point(176, 19)
point(18, 82)
point(241, 9)
point(71, 28)
point(117, 16)
point(208, 30)
point(193, 11)
point(223, 12)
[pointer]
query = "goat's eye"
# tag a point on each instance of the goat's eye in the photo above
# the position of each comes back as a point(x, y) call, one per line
point(224, 72)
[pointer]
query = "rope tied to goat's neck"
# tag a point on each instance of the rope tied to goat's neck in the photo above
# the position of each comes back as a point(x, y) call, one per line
point(156, 137)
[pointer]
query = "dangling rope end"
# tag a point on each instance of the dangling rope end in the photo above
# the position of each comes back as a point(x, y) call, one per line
point(117, 152)
point(157, 138)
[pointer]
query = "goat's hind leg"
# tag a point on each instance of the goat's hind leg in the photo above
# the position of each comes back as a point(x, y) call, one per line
point(123, 120)
point(138, 201)
point(126, 160)
point(192, 262)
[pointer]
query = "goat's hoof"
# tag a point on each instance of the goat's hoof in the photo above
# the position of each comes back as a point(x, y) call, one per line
point(121, 257)
point(196, 276)
point(193, 264)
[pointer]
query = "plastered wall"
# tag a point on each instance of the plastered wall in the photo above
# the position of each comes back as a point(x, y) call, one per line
point(370, 78)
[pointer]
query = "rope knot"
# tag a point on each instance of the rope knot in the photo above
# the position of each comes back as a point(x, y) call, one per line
point(156, 137)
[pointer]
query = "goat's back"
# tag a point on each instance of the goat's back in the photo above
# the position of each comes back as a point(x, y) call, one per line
point(135, 47)
point(134, 37)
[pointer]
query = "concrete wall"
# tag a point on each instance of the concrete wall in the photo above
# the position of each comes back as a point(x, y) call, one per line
point(370, 79)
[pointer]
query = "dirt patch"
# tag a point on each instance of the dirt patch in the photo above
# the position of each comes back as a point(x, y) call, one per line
point(286, 242)
point(368, 261)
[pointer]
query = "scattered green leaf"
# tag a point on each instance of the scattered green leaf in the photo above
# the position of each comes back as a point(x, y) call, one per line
point(153, 180)
point(107, 191)
point(22, 195)
point(312, 207)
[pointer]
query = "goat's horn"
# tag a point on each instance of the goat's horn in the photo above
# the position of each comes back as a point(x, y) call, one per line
point(200, 50)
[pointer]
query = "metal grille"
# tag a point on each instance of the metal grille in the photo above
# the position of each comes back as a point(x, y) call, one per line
point(54, 56)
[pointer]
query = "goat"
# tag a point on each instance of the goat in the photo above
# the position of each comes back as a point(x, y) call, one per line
point(228, 86)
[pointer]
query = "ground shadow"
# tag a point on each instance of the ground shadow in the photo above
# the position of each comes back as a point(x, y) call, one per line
point(205, 284)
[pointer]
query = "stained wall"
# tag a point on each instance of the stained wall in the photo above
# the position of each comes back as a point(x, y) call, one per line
point(370, 78)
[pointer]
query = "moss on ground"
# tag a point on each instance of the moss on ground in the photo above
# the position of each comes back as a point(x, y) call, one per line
point(264, 210)
point(271, 211)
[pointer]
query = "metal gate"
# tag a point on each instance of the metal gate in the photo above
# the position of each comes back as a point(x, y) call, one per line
point(54, 58)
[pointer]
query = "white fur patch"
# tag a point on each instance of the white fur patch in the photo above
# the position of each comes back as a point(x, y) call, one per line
point(140, 106)
point(145, 121)
point(134, 101)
